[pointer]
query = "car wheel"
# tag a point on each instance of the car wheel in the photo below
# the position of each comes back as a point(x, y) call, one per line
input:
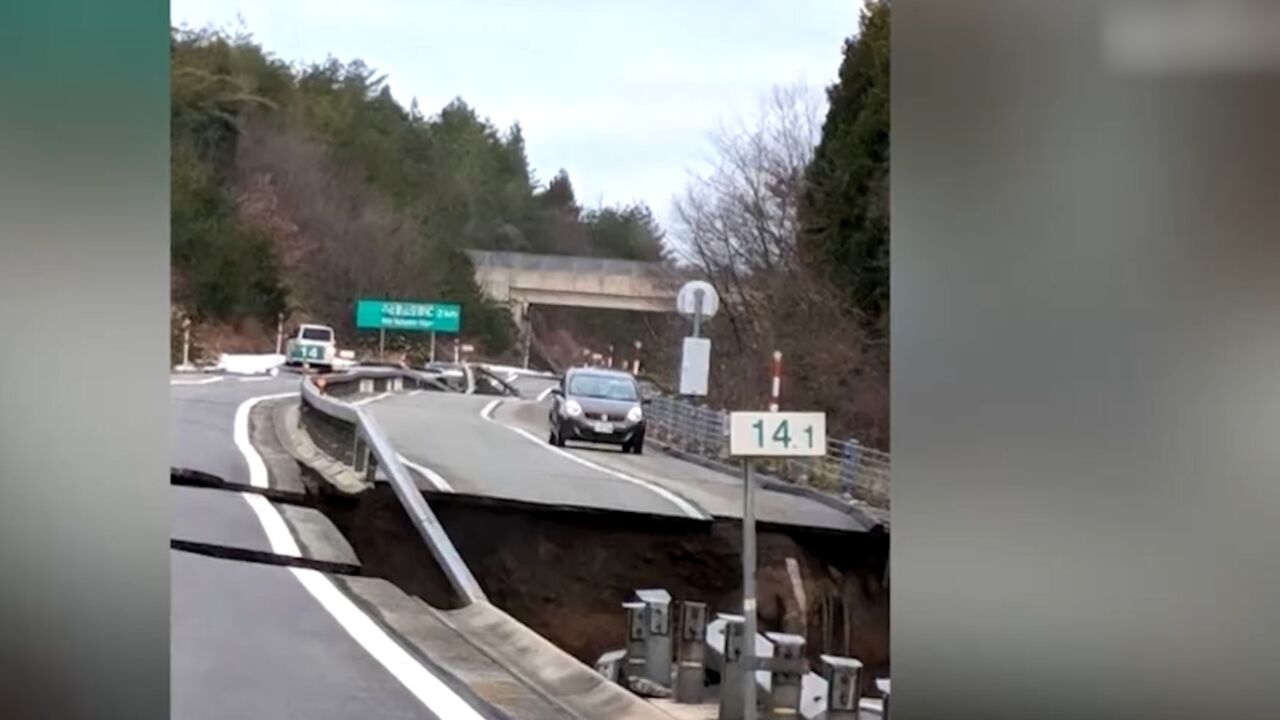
point(638, 448)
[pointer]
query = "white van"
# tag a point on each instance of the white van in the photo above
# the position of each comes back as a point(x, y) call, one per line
point(311, 345)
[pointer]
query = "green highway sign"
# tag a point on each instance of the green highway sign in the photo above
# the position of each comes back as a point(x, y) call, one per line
point(396, 315)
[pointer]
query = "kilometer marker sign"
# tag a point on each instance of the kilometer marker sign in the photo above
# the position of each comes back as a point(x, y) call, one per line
point(777, 434)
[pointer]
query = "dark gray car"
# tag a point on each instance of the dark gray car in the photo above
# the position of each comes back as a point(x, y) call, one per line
point(598, 405)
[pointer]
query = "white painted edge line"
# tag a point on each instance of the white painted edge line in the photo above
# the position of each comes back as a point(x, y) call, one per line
point(240, 433)
point(543, 395)
point(201, 381)
point(282, 541)
point(685, 506)
point(431, 475)
point(438, 697)
point(256, 378)
point(368, 400)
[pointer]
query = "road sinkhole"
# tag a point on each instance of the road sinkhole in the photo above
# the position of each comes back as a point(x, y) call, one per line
point(565, 572)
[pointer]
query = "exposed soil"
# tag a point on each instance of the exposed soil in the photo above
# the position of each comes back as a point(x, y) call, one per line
point(565, 572)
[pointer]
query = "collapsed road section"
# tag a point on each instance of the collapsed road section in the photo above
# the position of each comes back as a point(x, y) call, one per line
point(563, 571)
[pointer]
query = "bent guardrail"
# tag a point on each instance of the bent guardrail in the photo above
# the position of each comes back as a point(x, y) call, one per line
point(371, 450)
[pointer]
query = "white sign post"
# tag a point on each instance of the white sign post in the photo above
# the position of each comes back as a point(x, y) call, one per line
point(765, 434)
point(697, 299)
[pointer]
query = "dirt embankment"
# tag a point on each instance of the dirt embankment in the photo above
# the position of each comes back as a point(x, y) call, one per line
point(565, 573)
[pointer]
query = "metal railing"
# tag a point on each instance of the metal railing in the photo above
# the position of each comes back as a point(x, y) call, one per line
point(371, 450)
point(849, 468)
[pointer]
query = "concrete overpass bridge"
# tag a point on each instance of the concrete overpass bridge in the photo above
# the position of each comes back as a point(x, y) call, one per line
point(522, 280)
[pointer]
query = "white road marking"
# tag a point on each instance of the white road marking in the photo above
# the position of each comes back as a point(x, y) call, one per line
point(282, 541)
point(438, 697)
point(432, 475)
point(685, 506)
point(256, 378)
point(201, 381)
point(543, 395)
point(368, 400)
point(240, 432)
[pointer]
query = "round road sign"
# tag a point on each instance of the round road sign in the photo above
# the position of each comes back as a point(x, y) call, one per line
point(687, 299)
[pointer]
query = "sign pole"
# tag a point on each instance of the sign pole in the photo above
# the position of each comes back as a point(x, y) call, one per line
point(748, 592)
point(697, 312)
point(433, 346)
point(382, 343)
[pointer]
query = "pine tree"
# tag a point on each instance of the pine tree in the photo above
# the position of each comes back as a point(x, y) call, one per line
point(845, 213)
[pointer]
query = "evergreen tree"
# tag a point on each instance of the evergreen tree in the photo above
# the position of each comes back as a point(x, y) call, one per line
point(845, 213)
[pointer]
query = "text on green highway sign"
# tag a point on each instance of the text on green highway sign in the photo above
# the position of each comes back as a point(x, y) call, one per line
point(397, 315)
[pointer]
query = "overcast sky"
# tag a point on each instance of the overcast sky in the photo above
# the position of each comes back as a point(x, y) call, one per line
point(620, 94)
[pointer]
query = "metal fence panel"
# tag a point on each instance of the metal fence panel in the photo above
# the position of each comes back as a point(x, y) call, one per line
point(849, 468)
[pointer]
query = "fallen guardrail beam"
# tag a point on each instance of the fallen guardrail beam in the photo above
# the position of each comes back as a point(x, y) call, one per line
point(370, 434)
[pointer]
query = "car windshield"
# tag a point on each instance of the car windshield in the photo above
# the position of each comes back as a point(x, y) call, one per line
point(602, 386)
point(318, 334)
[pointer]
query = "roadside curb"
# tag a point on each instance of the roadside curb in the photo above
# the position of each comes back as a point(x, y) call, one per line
point(286, 418)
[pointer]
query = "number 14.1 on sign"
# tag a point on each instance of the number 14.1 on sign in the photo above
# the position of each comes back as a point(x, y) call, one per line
point(775, 434)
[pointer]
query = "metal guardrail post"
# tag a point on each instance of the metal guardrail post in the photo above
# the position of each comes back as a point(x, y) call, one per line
point(691, 652)
point(787, 666)
point(731, 670)
point(844, 693)
point(657, 641)
point(611, 665)
point(635, 664)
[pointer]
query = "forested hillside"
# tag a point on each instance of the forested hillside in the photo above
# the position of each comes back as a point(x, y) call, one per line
point(792, 226)
point(298, 189)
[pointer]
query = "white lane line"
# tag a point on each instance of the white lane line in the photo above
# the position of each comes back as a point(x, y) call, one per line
point(685, 506)
point(256, 378)
point(438, 697)
point(435, 478)
point(368, 400)
point(543, 395)
point(201, 381)
point(240, 432)
point(512, 376)
point(282, 541)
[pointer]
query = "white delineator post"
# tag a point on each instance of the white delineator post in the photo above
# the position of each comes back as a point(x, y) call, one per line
point(279, 333)
point(186, 343)
point(775, 388)
point(635, 369)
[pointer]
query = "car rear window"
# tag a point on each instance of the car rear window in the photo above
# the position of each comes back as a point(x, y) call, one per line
point(317, 334)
